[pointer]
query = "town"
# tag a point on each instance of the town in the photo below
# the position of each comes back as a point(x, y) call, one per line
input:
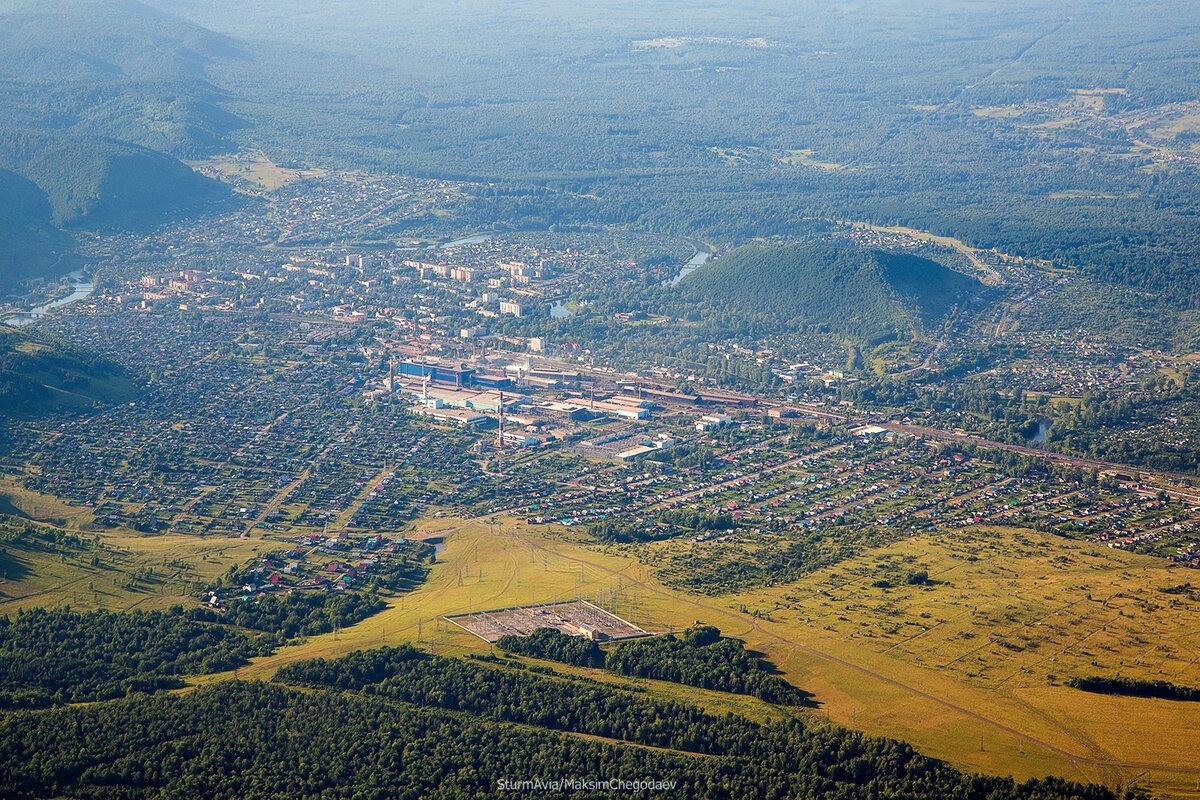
point(326, 393)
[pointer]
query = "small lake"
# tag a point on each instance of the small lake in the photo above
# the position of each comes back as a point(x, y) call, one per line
point(559, 311)
point(1043, 432)
point(81, 287)
point(478, 238)
point(695, 263)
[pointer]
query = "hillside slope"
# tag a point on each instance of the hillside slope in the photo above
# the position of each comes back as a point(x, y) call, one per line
point(101, 99)
point(30, 245)
point(110, 183)
point(861, 293)
point(40, 374)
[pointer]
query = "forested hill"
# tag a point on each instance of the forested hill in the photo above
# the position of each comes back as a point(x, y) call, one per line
point(30, 244)
point(39, 374)
point(102, 98)
point(862, 293)
point(105, 183)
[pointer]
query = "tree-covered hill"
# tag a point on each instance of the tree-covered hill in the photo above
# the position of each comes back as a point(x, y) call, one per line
point(107, 183)
point(39, 374)
point(862, 293)
point(101, 98)
point(30, 244)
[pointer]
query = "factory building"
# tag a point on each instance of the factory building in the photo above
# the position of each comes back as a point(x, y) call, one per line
point(458, 374)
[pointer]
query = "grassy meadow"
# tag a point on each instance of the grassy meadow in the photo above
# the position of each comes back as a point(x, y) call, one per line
point(966, 664)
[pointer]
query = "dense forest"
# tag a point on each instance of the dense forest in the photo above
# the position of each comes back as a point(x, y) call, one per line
point(553, 644)
point(49, 657)
point(699, 657)
point(867, 294)
point(30, 245)
point(55, 656)
point(702, 657)
point(295, 613)
point(819, 761)
point(322, 744)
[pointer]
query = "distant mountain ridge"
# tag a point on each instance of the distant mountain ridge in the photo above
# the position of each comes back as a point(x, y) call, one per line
point(862, 293)
point(102, 98)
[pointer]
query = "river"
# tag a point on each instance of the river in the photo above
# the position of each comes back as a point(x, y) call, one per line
point(696, 261)
point(81, 287)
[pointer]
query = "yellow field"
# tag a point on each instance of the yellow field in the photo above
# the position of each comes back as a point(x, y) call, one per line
point(43, 506)
point(1172, 128)
point(996, 112)
point(989, 709)
point(803, 157)
point(1009, 610)
point(959, 667)
point(170, 565)
point(1081, 194)
point(256, 170)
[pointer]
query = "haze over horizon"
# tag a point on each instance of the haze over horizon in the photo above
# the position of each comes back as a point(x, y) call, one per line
point(659, 398)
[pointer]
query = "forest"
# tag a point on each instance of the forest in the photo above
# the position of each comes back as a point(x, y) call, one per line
point(56, 656)
point(51, 657)
point(332, 745)
point(699, 657)
point(637, 116)
point(295, 613)
point(866, 294)
point(702, 657)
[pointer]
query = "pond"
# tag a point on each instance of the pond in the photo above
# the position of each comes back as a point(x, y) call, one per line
point(478, 238)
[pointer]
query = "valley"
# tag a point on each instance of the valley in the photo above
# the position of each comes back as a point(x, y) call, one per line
point(648, 399)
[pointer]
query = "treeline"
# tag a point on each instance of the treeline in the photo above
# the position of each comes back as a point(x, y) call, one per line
point(785, 759)
point(295, 613)
point(554, 645)
point(259, 742)
point(663, 525)
point(701, 657)
point(50, 657)
point(1134, 687)
point(408, 675)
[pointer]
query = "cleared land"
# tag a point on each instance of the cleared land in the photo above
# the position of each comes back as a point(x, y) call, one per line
point(115, 569)
point(573, 617)
point(254, 170)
